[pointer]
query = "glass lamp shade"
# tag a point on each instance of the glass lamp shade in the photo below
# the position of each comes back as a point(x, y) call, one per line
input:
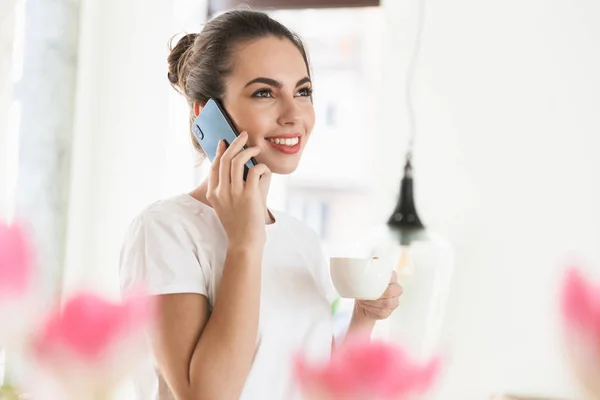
point(424, 266)
point(424, 263)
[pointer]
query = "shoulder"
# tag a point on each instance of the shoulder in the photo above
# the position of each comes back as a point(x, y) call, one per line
point(163, 247)
point(175, 225)
point(172, 208)
point(174, 214)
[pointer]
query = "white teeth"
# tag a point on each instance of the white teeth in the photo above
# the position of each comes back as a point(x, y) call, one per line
point(286, 142)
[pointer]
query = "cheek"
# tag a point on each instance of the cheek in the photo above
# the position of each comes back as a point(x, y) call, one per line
point(309, 119)
point(258, 124)
point(248, 119)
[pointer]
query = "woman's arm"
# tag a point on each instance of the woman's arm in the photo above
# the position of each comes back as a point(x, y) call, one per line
point(209, 358)
point(360, 323)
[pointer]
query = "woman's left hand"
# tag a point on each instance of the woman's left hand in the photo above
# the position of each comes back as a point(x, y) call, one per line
point(382, 307)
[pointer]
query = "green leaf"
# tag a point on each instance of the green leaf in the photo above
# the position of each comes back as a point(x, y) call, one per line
point(335, 305)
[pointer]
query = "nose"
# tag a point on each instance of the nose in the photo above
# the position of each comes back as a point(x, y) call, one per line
point(289, 113)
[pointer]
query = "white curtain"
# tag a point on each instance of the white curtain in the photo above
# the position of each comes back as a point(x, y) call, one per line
point(131, 145)
point(7, 29)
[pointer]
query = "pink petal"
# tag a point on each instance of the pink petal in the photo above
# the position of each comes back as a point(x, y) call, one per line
point(89, 325)
point(580, 301)
point(580, 304)
point(15, 259)
point(369, 368)
point(418, 379)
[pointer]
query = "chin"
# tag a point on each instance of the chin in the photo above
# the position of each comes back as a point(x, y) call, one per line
point(280, 169)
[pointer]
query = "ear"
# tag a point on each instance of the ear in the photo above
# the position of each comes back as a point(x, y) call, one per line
point(197, 108)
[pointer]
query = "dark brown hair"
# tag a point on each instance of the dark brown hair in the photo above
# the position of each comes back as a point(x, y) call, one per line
point(200, 62)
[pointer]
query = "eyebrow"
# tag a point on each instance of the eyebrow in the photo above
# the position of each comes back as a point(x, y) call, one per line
point(275, 83)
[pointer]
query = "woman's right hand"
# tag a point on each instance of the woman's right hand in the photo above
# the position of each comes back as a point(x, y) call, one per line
point(238, 204)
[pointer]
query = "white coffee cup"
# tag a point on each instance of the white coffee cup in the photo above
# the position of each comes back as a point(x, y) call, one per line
point(360, 278)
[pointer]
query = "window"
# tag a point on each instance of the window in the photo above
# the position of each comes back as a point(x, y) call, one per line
point(216, 6)
point(332, 181)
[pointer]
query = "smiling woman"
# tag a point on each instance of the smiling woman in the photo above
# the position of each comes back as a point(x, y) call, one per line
point(269, 97)
point(266, 97)
point(241, 287)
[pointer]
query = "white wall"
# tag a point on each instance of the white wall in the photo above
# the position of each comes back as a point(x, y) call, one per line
point(507, 168)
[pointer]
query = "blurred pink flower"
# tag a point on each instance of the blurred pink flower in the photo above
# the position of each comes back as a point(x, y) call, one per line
point(18, 306)
point(365, 369)
point(92, 343)
point(78, 352)
point(580, 301)
point(581, 305)
point(16, 258)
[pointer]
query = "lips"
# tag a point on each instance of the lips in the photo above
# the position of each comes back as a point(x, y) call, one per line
point(285, 136)
point(287, 144)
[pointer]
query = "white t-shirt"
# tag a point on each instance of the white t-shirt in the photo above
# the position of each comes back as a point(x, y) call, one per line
point(178, 245)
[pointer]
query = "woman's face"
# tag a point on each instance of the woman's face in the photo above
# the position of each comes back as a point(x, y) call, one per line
point(268, 95)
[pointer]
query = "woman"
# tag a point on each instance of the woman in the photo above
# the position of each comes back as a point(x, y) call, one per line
point(242, 288)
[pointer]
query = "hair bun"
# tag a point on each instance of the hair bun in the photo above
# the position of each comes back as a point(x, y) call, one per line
point(177, 59)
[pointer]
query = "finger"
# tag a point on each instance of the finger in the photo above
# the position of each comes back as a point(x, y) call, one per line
point(393, 290)
point(265, 180)
point(379, 312)
point(237, 168)
point(382, 304)
point(254, 176)
point(233, 149)
point(213, 177)
point(370, 305)
point(394, 276)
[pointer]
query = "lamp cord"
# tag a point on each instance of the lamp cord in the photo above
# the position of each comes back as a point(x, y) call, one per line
point(410, 76)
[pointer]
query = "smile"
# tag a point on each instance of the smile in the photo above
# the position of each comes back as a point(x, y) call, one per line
point(286, 145)
point(285, 142)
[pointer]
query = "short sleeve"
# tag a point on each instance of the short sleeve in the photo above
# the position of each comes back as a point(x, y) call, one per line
point(159, 253)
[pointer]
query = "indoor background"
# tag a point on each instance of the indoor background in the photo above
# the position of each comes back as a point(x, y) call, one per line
point(506, 167)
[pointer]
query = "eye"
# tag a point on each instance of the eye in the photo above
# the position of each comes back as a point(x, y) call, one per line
point(263, 94)
point(305, 92)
